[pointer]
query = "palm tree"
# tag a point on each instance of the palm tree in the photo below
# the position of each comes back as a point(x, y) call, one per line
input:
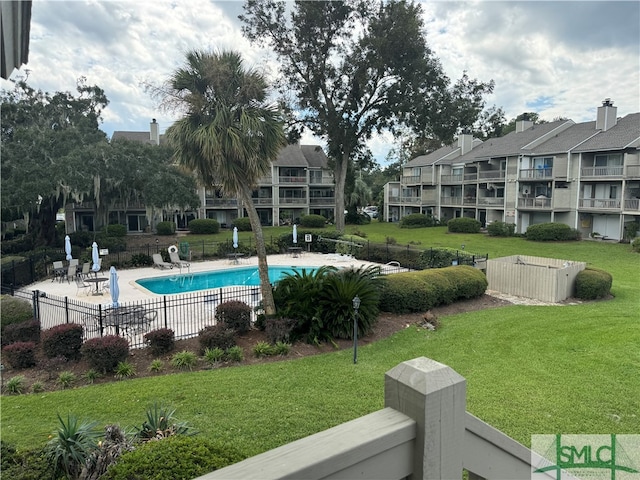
point(229, 135)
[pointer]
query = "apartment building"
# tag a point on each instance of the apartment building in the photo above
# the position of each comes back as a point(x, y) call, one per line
point(299, 182)
point(586, 175)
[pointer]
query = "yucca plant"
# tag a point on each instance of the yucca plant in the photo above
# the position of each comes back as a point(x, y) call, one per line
point(160, 424)
point(282, 348)
point(37, 387)
point(66, 379)
point(213, 355)
point(184, 360)
point(124, 370)
point(235, 353)
point(156, 366)
point(91, 375)
point(71, 445)
point(263, 349)
point(15, 385)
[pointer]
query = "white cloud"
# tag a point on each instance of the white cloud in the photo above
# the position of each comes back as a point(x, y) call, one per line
point(556, 58)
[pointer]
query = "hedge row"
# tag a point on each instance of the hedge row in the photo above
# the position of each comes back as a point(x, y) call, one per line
point(420, 291)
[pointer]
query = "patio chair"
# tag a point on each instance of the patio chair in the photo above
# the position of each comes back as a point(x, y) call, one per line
point(159, 263)
point(58, 271)
point(81, 286)
point(175, 259)
point(74, 261)
point(71, 273)
point(86, 270)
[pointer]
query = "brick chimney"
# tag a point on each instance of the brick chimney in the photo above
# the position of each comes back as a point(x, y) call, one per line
point(154, 135)
point(606, 115)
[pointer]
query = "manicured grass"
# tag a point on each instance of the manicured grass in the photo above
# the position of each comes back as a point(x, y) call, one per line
point(552, 369)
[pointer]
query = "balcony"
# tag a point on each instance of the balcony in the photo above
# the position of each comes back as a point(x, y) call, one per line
point(292, 201)
point(469, 201)
point(451, 200)
point(632, 205)
point(322, 200)
point(536, 173)
point(600, 203)
point(534, 203)
point(491, 175)
point(404, 200)
point(410, 179)
point(491, 201)
point(452, 179)
point(292, 179)
point(607, 172)
point(321, 181)
point(222, 202)
point(263, 201)
point(266, 180)
point(633, 171)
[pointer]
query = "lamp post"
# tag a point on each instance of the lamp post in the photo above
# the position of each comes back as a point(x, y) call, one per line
point(356, 306)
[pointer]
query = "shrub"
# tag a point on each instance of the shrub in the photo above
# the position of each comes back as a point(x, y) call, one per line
point(91, 375)
point(501, 229)
point(37, 387)
point(184, 360)
point(15, 385)
point(160, 341)
point(551, 232)
point(106, 352)
point(347, 247)
point(204, 226)
point(463, 225)
point(279, 329)
point(235, 354)
point(113, 244)
point(235, 315)
point(14, 310)
point(20, 354)
point(282, 348)
point(243, 224)
point(219, 336)
point(593, 283)
point(81, 239)
point(141, 260)
point(213, 355)
point(418, 220)
point(156, 366)
point(166, 228)
point(24, 464)
point(635, 245)
point(161, 423)
point(124, 370)
point(66, 379)
point(176, 457)
point(313, 221)
point(28, 331)
point(263, 349)
point(420, 291)
point(115, 230)
point(63, 341)
point(443, 257)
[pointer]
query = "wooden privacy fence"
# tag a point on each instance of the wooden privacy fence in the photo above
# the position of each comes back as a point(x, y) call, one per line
point(546, 279)
point(424, 432)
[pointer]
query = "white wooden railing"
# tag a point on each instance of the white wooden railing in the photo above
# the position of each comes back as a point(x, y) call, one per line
point(424, 432)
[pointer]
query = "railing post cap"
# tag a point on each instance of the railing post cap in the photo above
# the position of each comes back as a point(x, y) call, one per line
point(414, 373)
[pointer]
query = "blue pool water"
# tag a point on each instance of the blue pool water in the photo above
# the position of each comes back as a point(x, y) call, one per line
point(191, 282)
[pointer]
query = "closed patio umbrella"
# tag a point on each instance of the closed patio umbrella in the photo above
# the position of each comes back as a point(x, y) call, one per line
point(67, 247)
point(95, 257)
point(235, 237)
point(295, 233)
point(113, 286)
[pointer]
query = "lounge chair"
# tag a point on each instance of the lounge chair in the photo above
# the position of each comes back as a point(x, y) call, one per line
point(175, 259)
point(159, 263)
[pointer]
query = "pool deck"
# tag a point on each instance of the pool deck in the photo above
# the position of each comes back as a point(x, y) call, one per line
point(130, 291)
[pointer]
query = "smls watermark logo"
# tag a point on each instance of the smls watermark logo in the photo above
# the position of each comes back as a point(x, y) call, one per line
point(592, 457)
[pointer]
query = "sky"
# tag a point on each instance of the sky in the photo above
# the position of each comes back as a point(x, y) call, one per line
point(559, 59)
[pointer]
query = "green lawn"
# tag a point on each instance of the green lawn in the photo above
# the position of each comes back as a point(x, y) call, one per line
point(552, 369)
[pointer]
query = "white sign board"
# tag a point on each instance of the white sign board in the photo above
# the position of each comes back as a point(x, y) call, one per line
point(307, 237)
point(104, 251)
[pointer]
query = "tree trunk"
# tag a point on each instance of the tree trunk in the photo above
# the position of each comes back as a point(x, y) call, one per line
point(263, 268)
point(43, 223)
point(340, 178)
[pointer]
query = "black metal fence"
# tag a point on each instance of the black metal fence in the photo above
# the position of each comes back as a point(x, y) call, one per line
point(185, 314)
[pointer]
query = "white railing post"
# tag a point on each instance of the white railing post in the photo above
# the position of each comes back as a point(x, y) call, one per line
point(434, 396)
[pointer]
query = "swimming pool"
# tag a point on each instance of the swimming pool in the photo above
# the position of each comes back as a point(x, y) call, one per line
point(192, 282)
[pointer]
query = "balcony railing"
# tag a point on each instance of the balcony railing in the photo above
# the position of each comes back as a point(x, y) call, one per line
point(633, 171)
point(536, 173)
point(452, 178)
point(496, 201)
point(632, 204)
point(222, 202)
point(321, 181)
point(322, 200)
point(292, 201)
point(292, 179)
point(451, 200)
point(469, 200)
point(600, 203)
point(534, 203)
point(491, 175)
point(404, 199)
point(602, 171)
point(263, 201)
point(409, 179)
